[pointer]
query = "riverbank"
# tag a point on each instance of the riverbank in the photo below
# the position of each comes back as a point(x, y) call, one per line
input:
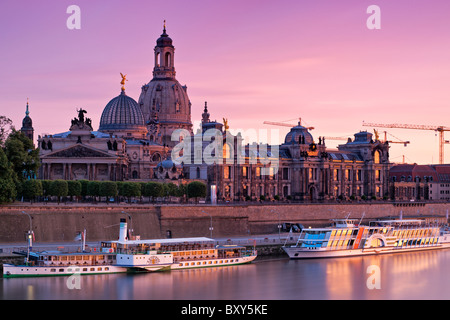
point(61, 222)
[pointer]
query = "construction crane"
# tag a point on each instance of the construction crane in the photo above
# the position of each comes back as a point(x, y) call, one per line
point(283, 124)
point(440, 129)
point(405, 143)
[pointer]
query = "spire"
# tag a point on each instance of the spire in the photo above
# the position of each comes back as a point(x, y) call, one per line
point(164, 29)
point(27, 112)
point(205, 115)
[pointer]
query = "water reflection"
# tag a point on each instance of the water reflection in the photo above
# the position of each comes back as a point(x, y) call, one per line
point(416, 275)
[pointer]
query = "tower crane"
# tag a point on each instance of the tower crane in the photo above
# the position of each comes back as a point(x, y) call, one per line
point(283, 124)
point(440, 129)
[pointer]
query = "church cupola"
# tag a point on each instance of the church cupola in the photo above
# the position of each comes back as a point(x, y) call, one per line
point(205, 114)
point(27, 125)
point(164, 56)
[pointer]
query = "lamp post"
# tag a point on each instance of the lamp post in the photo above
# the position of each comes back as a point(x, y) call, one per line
point(279, 225)
point(210, 227)
point(29, 238)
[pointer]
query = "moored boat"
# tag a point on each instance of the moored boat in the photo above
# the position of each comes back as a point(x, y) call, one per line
point(347, 238)
point(131, 255)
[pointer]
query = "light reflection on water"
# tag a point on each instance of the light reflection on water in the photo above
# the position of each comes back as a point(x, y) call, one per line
point(416, 275)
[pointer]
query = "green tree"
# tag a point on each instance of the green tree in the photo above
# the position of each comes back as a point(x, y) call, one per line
point(31, 189)
point(7, 186)
point(108, 189)
point(93, 188)
point(196, 189)
point(46, 187)
point(59, 188)
point(5, 128)
point(182, 190)
point(131, 189)
point(74, 188)
point(153, 190)
point(84, 184)
point(172, 189)
point(22, 154)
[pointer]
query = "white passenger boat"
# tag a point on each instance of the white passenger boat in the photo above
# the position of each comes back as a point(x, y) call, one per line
point(346, 238)
point(186, 253)
point(124, 255)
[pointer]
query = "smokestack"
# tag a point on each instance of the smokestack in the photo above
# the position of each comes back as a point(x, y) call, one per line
point(123, 230)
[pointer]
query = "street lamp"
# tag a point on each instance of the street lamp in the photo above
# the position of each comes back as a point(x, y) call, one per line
point(29, 238)
point(210, 227)
point(279, 225)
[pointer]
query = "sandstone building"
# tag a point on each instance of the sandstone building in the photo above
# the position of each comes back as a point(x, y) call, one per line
point(133, 142)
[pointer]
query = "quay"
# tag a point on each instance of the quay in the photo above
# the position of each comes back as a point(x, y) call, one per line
point(61, 222)
point(267, 245)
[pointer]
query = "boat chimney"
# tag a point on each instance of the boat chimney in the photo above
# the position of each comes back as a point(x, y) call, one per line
point(123, 230)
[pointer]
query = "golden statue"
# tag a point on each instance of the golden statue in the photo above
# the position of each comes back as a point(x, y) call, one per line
point(124, 78)
point(376, 134)
point(225, 124)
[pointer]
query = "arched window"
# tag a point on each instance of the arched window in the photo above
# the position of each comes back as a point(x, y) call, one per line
point(226, 151)
point(377, 157)
point(167, 61)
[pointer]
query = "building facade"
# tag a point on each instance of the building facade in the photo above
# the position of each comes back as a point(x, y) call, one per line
point(298, 169)
point(134, 142)
point(413, 182)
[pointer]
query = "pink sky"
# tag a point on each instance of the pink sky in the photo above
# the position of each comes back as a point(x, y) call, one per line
point(251, 60)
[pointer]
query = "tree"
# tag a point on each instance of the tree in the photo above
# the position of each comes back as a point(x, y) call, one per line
point(196, 189)
point(93, 188)
point(31, 189)
point(107, 189)
point(59, 188)
point(7, 186)
point(46, 187)
point(131, 189)
point(22, 154)
point(84, 184)
point(172, 189)
point(153, 189)
point(5, 128)
point(74, 188)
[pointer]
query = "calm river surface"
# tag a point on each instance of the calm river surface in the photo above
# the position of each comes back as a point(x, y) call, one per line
point(417, 275)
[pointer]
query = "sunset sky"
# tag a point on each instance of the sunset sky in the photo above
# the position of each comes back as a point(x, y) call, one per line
point(252, 60)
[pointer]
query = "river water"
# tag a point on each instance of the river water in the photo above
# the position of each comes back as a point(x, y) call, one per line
point(416, 275)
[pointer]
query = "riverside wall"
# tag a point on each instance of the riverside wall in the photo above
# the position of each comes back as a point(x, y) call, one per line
point(61, 222)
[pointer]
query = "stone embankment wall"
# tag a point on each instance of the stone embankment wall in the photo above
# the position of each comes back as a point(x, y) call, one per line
point(54, 223)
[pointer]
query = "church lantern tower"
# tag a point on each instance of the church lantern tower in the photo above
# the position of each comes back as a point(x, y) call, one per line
point(164, 101)
point(27, 125)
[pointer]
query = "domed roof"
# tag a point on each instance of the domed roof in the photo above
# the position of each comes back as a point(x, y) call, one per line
point(27, 122)
point(167, 164)
point(299, 135)
point(164, 40)
point(122, 113)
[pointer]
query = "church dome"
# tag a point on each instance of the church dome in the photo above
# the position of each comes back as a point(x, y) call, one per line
point(122, 113)
point(299, 135)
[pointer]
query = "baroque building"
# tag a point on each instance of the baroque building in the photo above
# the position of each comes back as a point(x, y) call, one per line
point(298, 169)
point(164, 101)
point(134, 142)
